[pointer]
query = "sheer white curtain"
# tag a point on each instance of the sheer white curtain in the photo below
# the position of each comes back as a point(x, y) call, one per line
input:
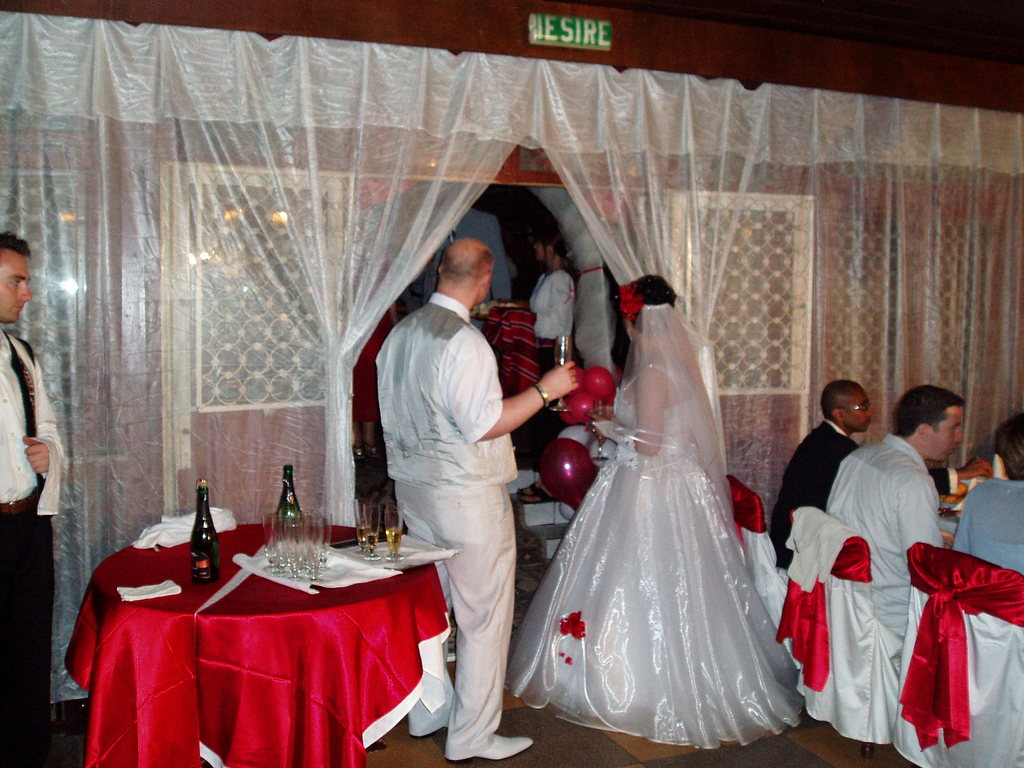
point(812, 236)
point(219, 222)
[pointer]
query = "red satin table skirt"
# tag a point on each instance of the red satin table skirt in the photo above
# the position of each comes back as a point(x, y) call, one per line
point(264, 676)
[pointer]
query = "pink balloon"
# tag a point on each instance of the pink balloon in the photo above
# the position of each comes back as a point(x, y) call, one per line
point(567, 470)
point(598, 381)
point(579, 403)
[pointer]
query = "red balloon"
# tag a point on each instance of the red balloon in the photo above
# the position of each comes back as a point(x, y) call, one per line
point(567, 470)
point(580, 403)
point(598, 381)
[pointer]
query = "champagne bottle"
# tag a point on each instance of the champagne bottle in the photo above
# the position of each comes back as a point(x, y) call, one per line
point(205, 548)
point(288, 507)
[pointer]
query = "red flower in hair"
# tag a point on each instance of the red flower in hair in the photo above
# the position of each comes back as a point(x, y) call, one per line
point(630, 302)
point(574, 625)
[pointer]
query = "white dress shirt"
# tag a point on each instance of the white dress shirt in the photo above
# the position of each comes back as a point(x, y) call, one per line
point(17, 478)
point(884, 492)
point(552, 302)
point(469, 377)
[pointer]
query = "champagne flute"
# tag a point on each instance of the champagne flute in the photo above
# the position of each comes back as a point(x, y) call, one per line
point(368, 528)
point(563, 354)
point(272, 539)
point(598, 412)
point(393, 525)
point(362, 515)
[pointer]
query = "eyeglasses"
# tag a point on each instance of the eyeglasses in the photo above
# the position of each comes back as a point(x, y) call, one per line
point(865, 406)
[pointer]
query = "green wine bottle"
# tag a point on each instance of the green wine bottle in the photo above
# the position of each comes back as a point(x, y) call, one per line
point(288, 507)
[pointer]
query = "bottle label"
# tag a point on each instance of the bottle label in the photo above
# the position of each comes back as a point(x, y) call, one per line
point(201, 570)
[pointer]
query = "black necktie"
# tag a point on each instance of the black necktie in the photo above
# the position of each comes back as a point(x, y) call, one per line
point(28, 398)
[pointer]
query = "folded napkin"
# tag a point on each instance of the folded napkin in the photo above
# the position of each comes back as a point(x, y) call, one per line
point(338, 572)
point(173, 530)
point(163, 589)
point(816, 540)
point(414, 552)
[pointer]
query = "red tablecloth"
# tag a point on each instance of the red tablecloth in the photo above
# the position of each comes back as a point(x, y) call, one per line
point(265, 677)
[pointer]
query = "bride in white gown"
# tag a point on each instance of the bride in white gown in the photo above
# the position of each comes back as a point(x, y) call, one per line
point(646, 621)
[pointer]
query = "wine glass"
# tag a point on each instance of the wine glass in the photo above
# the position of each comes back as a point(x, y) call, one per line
point(361, 516)
point(368, 527)
point(599, 411)
point(272, 540)
point(393, 525)
point(563, 354)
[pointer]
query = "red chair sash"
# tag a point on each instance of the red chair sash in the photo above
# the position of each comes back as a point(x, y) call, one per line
point(936, 692)
point(805, 618)
point(747, 509)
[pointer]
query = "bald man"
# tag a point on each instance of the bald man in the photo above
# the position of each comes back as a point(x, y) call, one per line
point(446, 429)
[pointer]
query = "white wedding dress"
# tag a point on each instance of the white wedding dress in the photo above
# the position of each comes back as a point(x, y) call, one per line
point(647, 621)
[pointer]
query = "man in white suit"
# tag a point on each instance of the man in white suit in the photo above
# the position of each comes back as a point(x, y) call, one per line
point(447, 428)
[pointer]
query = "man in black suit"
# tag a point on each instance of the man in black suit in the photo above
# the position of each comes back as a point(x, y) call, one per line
point(810, 473)
point(808, 479)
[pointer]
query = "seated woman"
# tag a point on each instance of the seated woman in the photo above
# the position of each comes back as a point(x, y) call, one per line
point(646, 621)
point(992, 523)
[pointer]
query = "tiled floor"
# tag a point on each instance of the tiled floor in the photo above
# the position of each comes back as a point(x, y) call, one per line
point(558, 743)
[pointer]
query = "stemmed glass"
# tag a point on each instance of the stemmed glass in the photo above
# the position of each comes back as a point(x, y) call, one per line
point(596, 413)
point(563, 354)
point(368, 528)
point(393, 525)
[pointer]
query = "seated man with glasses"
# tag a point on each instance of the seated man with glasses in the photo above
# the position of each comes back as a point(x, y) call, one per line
point(810, 473)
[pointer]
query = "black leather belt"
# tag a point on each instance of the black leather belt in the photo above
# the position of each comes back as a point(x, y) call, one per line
point(28, 504)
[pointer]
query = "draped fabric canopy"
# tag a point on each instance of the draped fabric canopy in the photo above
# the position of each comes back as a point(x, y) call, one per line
point(219, 221)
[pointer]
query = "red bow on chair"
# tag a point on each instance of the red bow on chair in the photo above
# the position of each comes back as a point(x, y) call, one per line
point(747, 509)
point(805, 619)
point(936, 693)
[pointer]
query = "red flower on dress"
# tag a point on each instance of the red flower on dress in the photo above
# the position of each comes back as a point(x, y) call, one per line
point(574, 625)
point(630, 302)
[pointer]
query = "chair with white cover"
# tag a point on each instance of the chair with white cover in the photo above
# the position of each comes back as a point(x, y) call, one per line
point(849, 676)
point(769, 581)
point(962, 677)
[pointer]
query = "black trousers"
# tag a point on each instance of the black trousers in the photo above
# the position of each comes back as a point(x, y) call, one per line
point(26, 619)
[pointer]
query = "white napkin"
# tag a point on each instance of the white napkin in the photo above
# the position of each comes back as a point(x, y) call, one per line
point(339, 572)
point(163, 589)
point(173, 530)
point(816, 540)
point(413, 551)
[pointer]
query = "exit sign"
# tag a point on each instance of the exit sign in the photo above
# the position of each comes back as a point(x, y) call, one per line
point(570, 32)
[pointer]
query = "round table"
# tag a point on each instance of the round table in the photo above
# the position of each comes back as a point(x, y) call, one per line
point(247, 672)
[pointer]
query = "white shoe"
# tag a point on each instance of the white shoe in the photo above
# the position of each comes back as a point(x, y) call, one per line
point(501, 747)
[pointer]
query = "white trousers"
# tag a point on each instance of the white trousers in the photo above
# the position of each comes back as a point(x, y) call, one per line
point(479, 585)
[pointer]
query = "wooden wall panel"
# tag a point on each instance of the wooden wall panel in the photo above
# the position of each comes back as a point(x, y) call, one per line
point(647, 40)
